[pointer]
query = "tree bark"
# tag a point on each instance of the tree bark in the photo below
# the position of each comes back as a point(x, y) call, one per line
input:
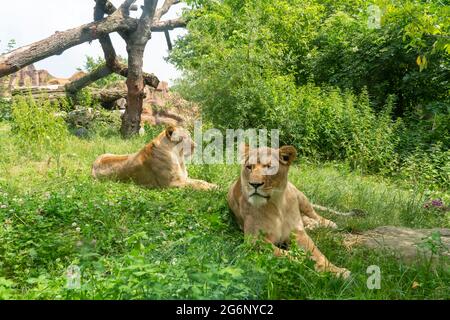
point(112, 63)
point(104, 96)
point(136, 42)
point(131, 119)
point(88, 79)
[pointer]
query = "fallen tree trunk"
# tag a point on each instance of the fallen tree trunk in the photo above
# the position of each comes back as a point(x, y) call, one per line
point(104, 96)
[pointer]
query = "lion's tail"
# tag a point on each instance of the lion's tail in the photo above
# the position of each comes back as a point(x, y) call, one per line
point(339, 213)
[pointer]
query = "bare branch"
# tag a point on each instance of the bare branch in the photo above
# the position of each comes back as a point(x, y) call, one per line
point(148, 12)
point(167, 36)
point(125, 7)
point(105, 41)
point(149, 78)
point(168, 25)
point(61, 41)
point(164, 9)
point(98, 73)
point(108, 7)
point(102, 71)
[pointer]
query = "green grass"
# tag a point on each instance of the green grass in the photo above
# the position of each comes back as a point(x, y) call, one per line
point(135, 243)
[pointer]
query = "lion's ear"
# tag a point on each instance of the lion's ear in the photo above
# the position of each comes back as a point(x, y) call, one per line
point(169, 131)
point(244, 150)
point(287, 154)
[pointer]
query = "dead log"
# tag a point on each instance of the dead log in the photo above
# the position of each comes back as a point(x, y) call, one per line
point(53, 93)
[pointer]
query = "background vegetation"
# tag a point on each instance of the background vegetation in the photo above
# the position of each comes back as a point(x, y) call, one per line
point(340, 83)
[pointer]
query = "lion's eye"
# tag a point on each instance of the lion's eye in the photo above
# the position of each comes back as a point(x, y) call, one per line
point(249, 167)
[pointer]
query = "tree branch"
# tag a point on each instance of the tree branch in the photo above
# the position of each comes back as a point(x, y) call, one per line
point(125, 7)
point(98, 73)
point(103, 71)
point(112, 63)
point(61, 41)
point(164, 9)
point(161, 26)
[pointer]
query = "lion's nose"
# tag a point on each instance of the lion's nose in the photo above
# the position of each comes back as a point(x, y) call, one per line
point(256, 184)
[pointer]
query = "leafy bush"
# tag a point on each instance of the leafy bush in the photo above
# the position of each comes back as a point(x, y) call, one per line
point(37, 125)
point(428, 167)
point(95, 120)
point(5, 109)
point(336, 87)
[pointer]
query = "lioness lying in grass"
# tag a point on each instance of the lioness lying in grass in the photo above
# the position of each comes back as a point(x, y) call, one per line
point(263, 200)
point(159, 164)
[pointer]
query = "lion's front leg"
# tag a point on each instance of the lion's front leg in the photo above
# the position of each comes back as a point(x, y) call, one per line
point(322, 263)
point(311, 218)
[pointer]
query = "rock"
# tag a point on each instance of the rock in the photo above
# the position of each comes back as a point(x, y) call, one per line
point(81, 132)
point(409, 245)
point(163, 86)
point(120, 104)
point(30, 76)
point(80, 117)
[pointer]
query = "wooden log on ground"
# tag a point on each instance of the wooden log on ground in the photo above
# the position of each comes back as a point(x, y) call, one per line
point(104, 96)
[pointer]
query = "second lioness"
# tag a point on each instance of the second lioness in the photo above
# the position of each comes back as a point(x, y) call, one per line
point(264, 201)
point(159, 164)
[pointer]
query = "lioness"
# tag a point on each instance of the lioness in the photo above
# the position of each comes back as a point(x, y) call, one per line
point(159, 164)
point(263, 200)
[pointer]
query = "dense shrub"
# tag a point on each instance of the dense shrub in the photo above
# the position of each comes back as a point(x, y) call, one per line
point(5, 109)
point(335, 86)
point(93, 120)
point(38, 124)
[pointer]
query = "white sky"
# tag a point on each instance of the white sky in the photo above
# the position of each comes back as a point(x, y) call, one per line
point(28, 21)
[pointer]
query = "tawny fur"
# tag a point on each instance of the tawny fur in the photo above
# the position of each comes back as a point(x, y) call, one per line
point(159, 164)
point(264, 201)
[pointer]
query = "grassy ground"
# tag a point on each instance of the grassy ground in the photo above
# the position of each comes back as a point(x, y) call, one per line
point(133, 243)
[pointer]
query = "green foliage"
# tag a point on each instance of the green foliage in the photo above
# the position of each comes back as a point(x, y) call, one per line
point(95, 120)
point(429, 168)
point(328, 42)
point(5, 109)
point(336, 86)
point(84, 98)
point(93, 63)
point(9, 46)
point(37, 125)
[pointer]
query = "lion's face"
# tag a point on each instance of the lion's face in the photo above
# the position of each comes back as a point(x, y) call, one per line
point(265, 172)
point(181, 140)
